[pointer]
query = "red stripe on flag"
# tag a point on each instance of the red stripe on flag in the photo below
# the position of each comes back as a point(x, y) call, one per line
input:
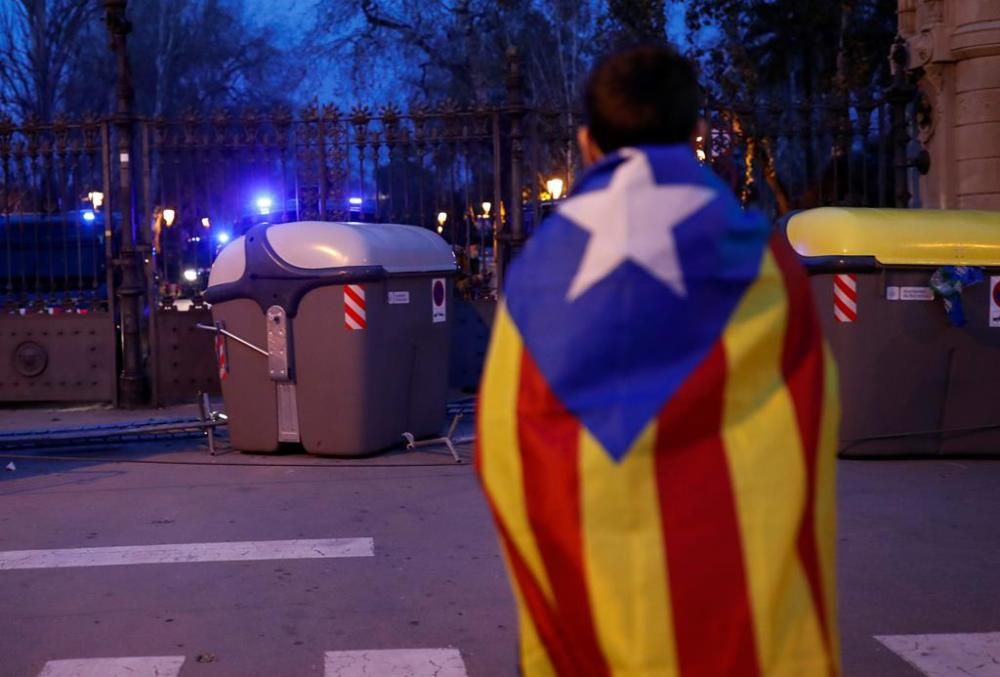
point(354, 316)
point(549, 438)
point(802, 367)
point(531, 593)
point(542, 614)
point(713, 623)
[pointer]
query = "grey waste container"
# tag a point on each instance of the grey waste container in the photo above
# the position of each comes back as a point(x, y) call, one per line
point(910, 382)
point(355, 321)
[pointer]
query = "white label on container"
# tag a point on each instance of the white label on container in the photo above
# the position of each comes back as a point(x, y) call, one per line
point(916, 294)
point(995, 301)
point(439, 300)
point(399, 297)
point(892, 293)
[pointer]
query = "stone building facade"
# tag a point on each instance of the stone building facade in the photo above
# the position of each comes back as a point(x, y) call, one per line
point(956, 46)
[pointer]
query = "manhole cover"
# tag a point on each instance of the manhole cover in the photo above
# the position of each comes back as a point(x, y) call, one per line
point(30, 359)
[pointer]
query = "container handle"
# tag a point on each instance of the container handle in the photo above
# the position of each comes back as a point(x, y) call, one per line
point(229, 334)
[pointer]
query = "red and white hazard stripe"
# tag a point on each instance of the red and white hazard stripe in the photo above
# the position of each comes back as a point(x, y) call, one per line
point(220, 354)
point(845, 297)
point(354, 307)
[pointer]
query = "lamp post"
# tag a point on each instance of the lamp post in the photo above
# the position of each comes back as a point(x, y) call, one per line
point(487, 206)
point(168, 216)
point(700, 149)
point(555, 188)
point(442, 219)
point(132, 381)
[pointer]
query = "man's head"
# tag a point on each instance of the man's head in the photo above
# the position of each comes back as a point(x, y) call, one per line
point(640, 96)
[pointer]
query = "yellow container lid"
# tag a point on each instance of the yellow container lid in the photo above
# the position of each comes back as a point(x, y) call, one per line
point(901, 237)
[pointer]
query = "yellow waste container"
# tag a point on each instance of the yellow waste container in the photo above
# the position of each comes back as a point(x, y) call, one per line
point(912, 383)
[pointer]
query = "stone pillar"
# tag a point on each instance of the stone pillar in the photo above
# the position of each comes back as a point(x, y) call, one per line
point(956, 46)
point(976, 46)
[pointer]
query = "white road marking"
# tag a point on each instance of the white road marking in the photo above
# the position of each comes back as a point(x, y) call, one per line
point(972, 654)
point(135, 666)
point(395, 663)
point(177, 553)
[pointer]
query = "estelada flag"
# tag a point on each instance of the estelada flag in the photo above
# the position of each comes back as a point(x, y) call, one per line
point(657, 431)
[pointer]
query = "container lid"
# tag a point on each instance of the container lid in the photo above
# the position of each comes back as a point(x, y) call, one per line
point(316, 245)
point(915, 237)
point(230, 264)
point(319, 245)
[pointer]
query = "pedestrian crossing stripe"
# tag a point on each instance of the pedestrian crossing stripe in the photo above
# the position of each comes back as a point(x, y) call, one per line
point(364, 663)
point(976, 653)
point(185, 553)
point(409, 662)
point(132, 666)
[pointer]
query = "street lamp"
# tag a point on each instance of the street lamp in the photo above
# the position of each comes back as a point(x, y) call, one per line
point(487, 206)
point(555, 188)
point(442, 218)
point(206, 222)
point(168, 216)
point(96, 198)
point(132, 379)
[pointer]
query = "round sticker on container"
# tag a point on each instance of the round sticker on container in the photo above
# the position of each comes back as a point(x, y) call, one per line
point(995, 301)
point(439, 300)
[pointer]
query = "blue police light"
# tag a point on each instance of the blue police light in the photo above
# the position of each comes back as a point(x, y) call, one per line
point(264, 204)
point(89, 215)
point(223, 238)
point(356, 201)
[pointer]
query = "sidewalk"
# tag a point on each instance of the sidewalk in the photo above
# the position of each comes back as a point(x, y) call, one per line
point(55, 418)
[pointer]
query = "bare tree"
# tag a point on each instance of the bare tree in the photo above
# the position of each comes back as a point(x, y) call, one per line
point(40, 43)
point(203, 55)
point(455, 48)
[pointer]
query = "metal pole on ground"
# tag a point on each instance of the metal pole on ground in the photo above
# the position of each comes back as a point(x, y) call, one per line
point(133, 384)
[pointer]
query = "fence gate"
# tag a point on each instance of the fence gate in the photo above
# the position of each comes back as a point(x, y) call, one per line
point(57, 328)
point(483, 176)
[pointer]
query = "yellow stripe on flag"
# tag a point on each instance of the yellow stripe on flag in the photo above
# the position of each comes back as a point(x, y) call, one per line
point(500, 463)
point(533, 654)
point(826, 496)
point(625, 557)
point(764, 452)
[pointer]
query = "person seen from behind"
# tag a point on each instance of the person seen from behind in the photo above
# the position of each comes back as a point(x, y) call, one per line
point(658, 413)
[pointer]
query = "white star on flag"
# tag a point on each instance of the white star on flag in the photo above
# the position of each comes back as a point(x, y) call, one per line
point(633, 219)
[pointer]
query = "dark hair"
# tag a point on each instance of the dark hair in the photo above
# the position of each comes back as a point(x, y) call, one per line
point(642, 96)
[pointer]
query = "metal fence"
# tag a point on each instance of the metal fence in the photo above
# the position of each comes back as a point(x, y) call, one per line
point(55, 244)
point(451, 168)
point(483, 177)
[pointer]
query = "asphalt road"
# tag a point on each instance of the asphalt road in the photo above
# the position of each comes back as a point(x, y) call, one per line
point(918, 551)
